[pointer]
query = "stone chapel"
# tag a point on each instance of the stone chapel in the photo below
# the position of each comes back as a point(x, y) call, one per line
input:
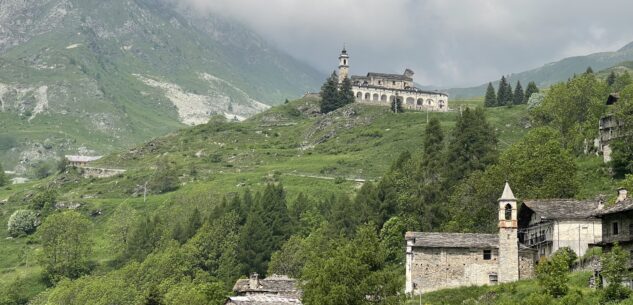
point(444, 260)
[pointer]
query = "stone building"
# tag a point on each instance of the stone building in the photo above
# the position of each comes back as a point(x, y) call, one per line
point(608, 129)
point(617, 224)
point(80, 161)
point(274, 290)
point(442, 260)
point(550, 224)
point(382, 89)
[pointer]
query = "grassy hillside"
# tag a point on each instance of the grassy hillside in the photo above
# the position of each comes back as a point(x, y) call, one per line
point(317, 155)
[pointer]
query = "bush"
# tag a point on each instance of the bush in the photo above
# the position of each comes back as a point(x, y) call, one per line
point(22, 222)
point(552, 274)
point(569, 255)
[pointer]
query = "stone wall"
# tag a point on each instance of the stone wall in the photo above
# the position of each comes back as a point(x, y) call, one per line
point(437, 268)
point(576, 234)
point(95, 172)
point(526, 264)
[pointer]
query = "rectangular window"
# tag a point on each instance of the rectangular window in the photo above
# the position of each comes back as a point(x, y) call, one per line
point(493, 278)
point(487, 255)
point(616, 230)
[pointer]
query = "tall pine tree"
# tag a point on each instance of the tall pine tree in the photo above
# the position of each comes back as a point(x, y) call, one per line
point(276, 214)
point(531, 88)
point(491, 96)
point(3, 178)
point(472, 148)
point(345, 94)
point(431, 176)
point(256, 242)
point(519, 95)
point(509, 95)
point(611, 79)
point(502, 92)
point(329, 94)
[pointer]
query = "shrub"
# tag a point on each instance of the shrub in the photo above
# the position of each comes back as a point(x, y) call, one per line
point(22, 222)
point(552, 274)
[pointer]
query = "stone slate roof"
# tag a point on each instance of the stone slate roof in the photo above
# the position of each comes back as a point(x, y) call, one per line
point(564, 208)
point(276, 284)
point(389, 76)
point(626, 205)
point(453, 240)
point(262, 300)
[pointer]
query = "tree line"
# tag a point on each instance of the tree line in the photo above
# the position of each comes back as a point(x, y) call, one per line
point(505, 96)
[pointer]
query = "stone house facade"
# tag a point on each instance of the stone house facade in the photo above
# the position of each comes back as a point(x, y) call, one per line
point(550, 224)
point(383, 88)
point(617, 224)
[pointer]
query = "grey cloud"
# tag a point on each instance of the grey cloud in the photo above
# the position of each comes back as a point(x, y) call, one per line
point(446, 42)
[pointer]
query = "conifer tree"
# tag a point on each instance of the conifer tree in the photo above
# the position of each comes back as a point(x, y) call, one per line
point(611, 79)
point(329, 94)
point(193, 224)
point(519, 95)
point(509, 95)
point(502, 92)
point(276, 214)
point(3, 178)
point(589, 70)
point(431, 176)
point(396, 105)
point(531, 88)
point(473, 146)
point(345, 94)
point(256, 242)
point(491, 96)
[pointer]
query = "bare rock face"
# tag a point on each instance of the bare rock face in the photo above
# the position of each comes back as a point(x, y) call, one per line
point(110, 74)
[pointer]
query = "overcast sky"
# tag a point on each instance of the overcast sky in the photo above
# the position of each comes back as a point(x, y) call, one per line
point(447, 43)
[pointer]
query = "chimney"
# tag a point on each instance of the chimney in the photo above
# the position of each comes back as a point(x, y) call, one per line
point(622, 195)
point(253, 282)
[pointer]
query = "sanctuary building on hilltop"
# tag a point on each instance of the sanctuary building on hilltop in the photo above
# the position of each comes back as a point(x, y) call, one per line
point(383, 88)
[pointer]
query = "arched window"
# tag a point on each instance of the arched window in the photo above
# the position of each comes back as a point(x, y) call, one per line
point(410, 101)
point(367, 96)
point(508, 210)
point(359, 95)
point(345, 61)
point(420, 102)
point(376, 97)
point(383, 97)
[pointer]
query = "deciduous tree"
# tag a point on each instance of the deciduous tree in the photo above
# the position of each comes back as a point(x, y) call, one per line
point(66, 245)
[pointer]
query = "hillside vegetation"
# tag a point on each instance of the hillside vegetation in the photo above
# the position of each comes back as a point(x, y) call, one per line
point(76, 80)
point(325, 198)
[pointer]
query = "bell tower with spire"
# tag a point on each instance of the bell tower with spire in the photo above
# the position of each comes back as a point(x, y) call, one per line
point(343, 66)
point(508, 238)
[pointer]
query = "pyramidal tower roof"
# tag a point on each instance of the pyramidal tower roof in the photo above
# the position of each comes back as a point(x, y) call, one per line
point(507, 193)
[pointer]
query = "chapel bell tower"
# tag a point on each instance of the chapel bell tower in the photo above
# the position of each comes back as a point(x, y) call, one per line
point(343, 66)
point(508, 238)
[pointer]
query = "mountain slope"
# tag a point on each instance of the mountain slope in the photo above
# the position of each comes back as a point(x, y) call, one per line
point(555, 72)
point(82, 75)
